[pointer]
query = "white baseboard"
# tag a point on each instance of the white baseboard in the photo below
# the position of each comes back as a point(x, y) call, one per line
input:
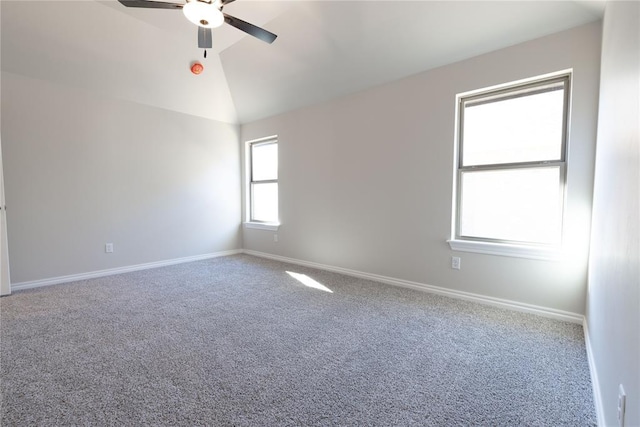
point(595, 383)
point(496, 302)
point(118, 270)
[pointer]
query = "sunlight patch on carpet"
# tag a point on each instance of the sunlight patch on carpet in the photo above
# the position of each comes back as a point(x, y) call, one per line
point(308, 281)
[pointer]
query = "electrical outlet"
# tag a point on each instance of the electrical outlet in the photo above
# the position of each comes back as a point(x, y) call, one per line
point(275, 237)
point(108, 247)
point(622, 403)
point(455, 262)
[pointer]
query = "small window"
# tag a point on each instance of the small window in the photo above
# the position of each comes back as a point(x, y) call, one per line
point(263, 181)
point(511, 164)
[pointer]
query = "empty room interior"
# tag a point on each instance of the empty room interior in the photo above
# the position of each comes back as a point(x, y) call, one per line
point(314, 213)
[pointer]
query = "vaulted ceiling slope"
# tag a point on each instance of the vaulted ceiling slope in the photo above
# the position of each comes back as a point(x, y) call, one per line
point(325, 49)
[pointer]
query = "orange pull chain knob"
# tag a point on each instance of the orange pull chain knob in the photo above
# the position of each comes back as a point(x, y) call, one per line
point(197, 68)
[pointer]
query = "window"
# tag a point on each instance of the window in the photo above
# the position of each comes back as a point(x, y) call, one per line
point(263, 181)
point(511, 167)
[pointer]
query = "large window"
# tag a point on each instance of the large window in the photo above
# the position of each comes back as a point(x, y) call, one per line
point(511, 164)
point(263, 181)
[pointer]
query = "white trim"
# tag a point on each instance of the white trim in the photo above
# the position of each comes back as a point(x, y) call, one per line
point(264, 139)
point(503, 249)
point(515, 83)
point(468, 296)
point(5, 277)
point(262, 225)
point(595, 383)
point(118, 270)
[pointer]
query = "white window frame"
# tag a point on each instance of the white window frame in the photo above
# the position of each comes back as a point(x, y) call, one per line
point(496, 246)
point(249, 221)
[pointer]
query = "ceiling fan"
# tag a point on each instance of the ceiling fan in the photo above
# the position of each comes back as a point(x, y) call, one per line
point(206, 15)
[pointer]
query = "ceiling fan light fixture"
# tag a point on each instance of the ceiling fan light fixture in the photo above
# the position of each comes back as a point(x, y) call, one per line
point(203, 14)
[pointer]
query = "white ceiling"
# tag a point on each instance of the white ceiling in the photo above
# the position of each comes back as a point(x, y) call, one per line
point(324, 49)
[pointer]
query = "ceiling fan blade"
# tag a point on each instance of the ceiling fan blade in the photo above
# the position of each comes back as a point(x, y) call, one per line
point(250, 29)
point(204, 38)
point(151, 4)
point(226, 2)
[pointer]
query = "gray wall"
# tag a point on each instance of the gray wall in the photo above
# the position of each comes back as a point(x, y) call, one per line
point(613, 309)
point(82, 169)
point(366, 180)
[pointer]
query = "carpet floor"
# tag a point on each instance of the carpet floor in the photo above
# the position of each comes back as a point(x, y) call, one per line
point(238, 341)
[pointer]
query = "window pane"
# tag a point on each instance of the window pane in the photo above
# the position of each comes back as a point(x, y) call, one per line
point(264, 202)
point(264, 161)
point(521, 129)
point(522, 205)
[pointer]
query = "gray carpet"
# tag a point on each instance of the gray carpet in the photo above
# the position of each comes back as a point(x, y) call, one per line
point(237, 341)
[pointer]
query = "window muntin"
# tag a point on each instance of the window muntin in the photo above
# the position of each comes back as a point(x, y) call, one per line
point(511, 164)
point(263, 186)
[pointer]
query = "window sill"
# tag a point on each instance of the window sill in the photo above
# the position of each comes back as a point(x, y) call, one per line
point(270, 226)
point(503, 249)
